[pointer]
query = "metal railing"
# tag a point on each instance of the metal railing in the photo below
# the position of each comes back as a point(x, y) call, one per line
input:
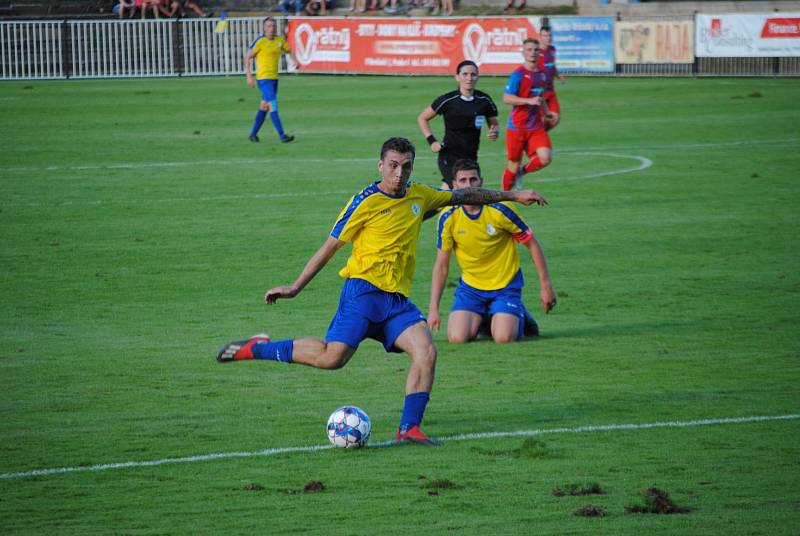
point(125, 48)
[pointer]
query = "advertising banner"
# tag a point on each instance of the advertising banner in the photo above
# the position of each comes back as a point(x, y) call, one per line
point(748, 35)
point(654, 42)
point(409, 46)
point(584, 44)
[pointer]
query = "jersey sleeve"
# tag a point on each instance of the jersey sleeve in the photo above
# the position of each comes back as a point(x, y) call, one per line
point(513, 223)
point(513, 83)
point(350, 220)
point(285, 45)
point(444, 235)
point(435, 198)
point(255, 45)
point(437, 104)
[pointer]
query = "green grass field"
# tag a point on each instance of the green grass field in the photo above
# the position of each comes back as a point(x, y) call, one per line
point(139, 231)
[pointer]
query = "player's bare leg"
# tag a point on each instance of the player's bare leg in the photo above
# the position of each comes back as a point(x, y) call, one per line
point(462, 326)
point(505, 328)
point(318, 354)
point(417, 342)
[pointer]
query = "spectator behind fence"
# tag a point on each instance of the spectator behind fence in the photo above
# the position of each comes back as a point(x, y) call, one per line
point(285, 5)
point(178, 7)
point(319, 7)
point(125, 4)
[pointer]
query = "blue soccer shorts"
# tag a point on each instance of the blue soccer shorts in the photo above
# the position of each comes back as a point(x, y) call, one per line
point(269, 89)
point(365, 311)
point(488, 303)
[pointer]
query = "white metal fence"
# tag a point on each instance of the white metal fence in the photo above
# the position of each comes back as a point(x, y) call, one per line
point(123, 48)
point(190, 47)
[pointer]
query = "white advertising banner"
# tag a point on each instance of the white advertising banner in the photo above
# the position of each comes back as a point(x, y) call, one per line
point(748, 35)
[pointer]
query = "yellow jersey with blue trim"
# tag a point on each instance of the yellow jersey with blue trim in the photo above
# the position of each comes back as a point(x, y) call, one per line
point(267, 54)
point(384, 230)
point(484, 243)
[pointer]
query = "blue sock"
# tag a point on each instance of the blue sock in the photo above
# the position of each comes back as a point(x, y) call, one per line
point(276, 122)
point(413, 410)
point(274, 350)
point(260, 116)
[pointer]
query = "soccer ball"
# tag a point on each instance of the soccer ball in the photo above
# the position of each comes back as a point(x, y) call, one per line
point(349, 427)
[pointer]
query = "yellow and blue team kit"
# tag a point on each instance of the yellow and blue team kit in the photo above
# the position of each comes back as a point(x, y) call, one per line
point(484, 250)
point(384, 231)
point(267, 54)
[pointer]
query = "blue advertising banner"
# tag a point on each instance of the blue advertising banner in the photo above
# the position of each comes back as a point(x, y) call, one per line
point(584, 44)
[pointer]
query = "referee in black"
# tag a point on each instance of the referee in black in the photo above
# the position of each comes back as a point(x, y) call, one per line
point(464, 110)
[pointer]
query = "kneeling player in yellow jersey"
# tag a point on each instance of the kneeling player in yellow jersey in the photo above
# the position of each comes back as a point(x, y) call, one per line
point(383, 222)
point(491, 281)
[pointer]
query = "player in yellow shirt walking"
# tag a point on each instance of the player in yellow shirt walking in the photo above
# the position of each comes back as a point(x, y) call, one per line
point(491, 281)
point(383, 223)
point(267, 49)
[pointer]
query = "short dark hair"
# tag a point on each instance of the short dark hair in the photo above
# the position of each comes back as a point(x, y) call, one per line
point(465, 164)
point(531, 40)
point(267, 19)
point(400, 145)
point(464, 64)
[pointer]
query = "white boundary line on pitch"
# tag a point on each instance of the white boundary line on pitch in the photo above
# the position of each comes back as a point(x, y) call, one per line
point(644, 163)
point(461, 437)
point(423, 156)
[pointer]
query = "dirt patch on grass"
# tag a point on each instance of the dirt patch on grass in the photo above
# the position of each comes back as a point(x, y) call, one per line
point(312, 486)
point(434, 486)
point(590, 510)
point(530, 448)
point(574, 490)
point(656, 501)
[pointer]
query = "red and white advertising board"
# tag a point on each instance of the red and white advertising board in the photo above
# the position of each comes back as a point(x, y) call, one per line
point(748, 35)
point(409, 46)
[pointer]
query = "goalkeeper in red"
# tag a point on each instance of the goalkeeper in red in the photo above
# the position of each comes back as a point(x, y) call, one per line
point(490, 288)
point(383, 223)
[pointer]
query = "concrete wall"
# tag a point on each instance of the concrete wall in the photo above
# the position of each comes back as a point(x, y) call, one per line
point(625, 9)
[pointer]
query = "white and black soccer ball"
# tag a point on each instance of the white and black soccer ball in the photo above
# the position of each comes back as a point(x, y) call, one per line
point(349, 427)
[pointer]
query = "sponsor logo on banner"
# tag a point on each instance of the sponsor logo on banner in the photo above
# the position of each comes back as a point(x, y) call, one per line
point(781, 28)
point(748, 35)
point(654, 42)
point(484, 42)
point(323, 44)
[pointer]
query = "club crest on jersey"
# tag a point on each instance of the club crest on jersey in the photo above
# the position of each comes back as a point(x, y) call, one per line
point(490, 229)
point(415, 209)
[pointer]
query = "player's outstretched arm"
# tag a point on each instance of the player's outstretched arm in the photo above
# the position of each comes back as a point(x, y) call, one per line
point(440, 270)
point(482, 196)
point(547, 295)
point(316, 263)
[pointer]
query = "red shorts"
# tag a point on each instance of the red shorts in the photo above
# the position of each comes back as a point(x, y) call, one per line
point(528, 141)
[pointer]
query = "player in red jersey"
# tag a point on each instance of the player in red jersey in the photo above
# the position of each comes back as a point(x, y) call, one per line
point(547, 62)
point(525, 131)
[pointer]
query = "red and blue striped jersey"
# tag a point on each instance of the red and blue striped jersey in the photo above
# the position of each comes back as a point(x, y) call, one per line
point(524, 83)
point(547, 63)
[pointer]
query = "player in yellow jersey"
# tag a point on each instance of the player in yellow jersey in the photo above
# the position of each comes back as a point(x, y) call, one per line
point(483, 239)
point(383, 223)
point(266, 50)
